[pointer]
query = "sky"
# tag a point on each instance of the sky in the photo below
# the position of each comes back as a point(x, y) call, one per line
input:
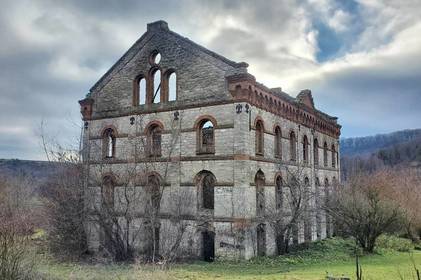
point(361, 59)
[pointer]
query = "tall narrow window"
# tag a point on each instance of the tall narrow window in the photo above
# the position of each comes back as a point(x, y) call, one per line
point(307, 209)
point(154, 141)
point(259, 137)
point(319, 206)
point(259, 181)
point(325, 154)
point(153, 188)
point(107, 208)
point(316, 152)
point(172, 87)
point(108, 193)
point(156, 98)
point(305, 149)
point(333, 156)
point(142, 91)
point(208, 186)
point(327, 198)
point(206, 137)
point(278, 142)
point(108, 143)
point(279, 193)
point(292, 146)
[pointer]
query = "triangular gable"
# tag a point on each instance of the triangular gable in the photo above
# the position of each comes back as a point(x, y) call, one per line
point(153, 29)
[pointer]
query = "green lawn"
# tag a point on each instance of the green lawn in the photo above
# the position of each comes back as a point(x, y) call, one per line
point(333, 257)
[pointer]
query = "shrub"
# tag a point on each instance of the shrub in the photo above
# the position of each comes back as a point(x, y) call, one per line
point(15, 262)
point(393, 242)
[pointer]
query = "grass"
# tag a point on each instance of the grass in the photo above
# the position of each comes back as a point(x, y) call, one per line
point(334, 256)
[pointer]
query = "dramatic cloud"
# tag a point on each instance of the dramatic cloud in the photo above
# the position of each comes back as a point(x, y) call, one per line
point(362, 59)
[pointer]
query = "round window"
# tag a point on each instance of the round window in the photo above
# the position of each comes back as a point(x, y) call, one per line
point(155, 58)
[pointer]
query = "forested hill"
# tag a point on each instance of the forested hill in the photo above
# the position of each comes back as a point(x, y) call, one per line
point(368, 154)
point(39, 170)
point(365, 146)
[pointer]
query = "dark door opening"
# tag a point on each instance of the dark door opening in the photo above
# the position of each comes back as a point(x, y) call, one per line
point(208, 239)
point(261, 240)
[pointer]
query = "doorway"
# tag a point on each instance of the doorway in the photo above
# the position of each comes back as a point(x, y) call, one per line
point(261, 240)
point(208, 241)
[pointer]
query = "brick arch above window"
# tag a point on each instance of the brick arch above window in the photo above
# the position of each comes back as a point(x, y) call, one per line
point(201, 118)
point(109, 126)
point(152, 124)
point(110, 177)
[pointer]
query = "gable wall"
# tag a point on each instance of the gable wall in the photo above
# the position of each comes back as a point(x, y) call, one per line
point(200, 76)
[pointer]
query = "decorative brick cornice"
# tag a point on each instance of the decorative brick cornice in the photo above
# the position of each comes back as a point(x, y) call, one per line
point(244, 88)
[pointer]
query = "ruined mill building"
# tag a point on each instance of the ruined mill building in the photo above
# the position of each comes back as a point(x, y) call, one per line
point(198, 123)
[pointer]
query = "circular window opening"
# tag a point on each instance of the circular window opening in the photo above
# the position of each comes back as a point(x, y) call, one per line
point(155, 57)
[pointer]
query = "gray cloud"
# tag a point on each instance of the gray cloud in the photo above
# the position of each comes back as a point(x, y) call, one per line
point(52, 53)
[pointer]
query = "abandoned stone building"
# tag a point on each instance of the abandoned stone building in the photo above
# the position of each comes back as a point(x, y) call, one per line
point(211, 132)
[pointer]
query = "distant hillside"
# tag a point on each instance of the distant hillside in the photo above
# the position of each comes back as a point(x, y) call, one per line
point(368, 154)
point(365, 146)
point(38, 170)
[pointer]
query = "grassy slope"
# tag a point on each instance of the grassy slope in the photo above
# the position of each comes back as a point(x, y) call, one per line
point(333, 256)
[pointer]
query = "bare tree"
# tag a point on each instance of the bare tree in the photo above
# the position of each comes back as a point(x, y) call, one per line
point(63, 197)
point(16, 225)
point(403, 186)
point(291, 210)
point(361, 210)
point(130, 212)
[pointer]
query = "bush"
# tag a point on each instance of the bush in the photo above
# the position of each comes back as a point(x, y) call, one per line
point(15, 262)
point(63, 197)
point(393, 242)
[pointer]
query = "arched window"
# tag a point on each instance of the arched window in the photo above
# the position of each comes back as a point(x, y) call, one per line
point(307, 221)
point(318, 209)
point(316, 152)
point(278, 142)
point(279, 193)
point(259, 138)
point(154, 141)
point(206, 137)
point(205, 182)
point(172, 86)
point(292, 146)
point(208, 189)
point(107, 190)
point(154, 191)
point(259, 181)
point(107, 208)
point(108, 143)
point(156, 97)
point(328, 220)
point(333, 156)
point(325, 154)
point(139, 91)
point(305, 149)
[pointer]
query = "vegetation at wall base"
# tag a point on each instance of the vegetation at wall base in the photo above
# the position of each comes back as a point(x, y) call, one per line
point(333, 257)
